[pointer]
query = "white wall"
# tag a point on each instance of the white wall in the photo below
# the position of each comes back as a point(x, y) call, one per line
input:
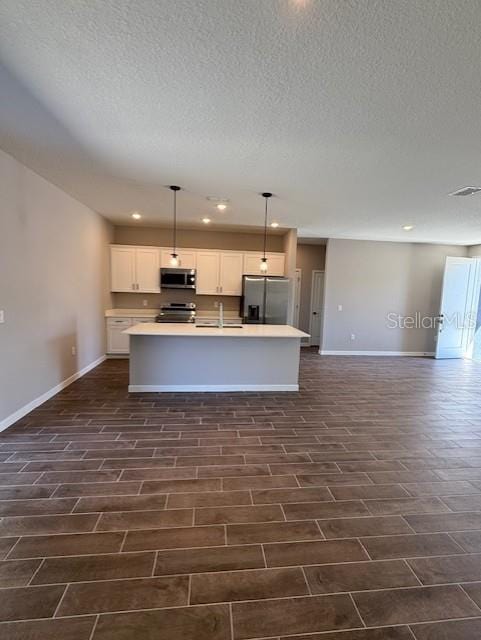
point(53, 286)
point(371, 280)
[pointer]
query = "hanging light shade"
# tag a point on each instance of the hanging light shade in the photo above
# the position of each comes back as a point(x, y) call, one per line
point(174, 258)
point(263, 265)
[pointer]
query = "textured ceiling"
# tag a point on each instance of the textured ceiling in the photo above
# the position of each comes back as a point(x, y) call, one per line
point(361, 116)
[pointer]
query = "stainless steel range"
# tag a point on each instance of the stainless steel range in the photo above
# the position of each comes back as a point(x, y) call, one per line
point(177, 312)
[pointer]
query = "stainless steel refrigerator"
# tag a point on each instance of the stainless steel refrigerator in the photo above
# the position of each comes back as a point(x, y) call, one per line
point(264, 299)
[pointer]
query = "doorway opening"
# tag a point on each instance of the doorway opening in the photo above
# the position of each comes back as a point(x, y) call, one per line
point(459, 320)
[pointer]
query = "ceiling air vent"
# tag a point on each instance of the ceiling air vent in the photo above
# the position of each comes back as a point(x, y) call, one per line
point(465, 191)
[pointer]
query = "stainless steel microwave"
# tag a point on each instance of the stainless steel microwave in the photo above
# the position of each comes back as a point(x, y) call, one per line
point(177, 278)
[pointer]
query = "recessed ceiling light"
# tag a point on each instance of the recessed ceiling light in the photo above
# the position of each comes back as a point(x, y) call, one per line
point(206, 220)
point(408, 227)
point(220, 203)
point(274, 225)
point(465, 191)
point(136, 215)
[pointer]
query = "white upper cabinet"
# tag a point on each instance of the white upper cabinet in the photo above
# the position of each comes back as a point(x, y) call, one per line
point(122, 268)
point(275, 264)
point(208, 270)
point(135, 269)
point(147, 270)
point(219, 273)
point(230, 273)
point(186, 257)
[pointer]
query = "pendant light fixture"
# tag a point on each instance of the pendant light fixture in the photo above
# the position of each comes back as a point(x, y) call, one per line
point(174, 258)
point(263, 266)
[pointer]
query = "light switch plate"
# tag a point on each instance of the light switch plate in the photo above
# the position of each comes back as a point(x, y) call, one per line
point(339, 307)
point(2, 316)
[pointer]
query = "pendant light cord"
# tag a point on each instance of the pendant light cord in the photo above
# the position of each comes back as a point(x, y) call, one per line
point(265, 230)
point(174, 188)
point(266, 195)
point(175, 223)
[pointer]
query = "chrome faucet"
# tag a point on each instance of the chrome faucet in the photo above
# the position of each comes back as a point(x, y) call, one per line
point(221, 315)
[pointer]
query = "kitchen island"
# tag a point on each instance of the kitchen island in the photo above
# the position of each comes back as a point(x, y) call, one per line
point(188, 357)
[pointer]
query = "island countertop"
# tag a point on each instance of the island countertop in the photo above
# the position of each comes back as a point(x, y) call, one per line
point(191, 330)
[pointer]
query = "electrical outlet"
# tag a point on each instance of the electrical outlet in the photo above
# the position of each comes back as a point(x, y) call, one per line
point(74, 351)
point(353, 336)
point(145, 302)
point(2, 316)
point(339, 307)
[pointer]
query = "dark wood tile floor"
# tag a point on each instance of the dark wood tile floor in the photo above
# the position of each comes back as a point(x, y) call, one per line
point(348, 511)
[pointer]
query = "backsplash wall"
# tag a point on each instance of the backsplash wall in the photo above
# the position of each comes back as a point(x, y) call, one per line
point(155, 300)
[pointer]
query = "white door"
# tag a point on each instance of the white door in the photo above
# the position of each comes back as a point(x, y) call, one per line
point(122, 268)
point(230, 280)
point(207, 278)
point(297, 296)
point(317, 301)
point(459, 303)
point(147, 270)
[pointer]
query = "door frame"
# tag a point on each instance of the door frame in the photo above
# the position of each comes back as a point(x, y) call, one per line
point(474, 304)
point(297, 297)
point(315, 271)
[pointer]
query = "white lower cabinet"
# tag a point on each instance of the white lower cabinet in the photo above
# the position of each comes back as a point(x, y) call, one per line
point(117, 341)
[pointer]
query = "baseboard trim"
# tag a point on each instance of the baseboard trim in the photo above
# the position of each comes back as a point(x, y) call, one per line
point(20, 413)
point(188, 388)
point(411, 354)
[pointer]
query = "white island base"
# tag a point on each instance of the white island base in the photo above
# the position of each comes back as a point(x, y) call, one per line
point(183, 357)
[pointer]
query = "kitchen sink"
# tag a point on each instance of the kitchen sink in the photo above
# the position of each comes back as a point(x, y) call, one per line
point(216, 326)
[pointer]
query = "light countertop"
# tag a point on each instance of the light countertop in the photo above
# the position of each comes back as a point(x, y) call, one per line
point(190, 330)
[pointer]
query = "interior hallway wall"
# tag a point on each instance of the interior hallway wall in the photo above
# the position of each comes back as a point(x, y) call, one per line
point(309, 257)
point(373, 279)
point(54, 261)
